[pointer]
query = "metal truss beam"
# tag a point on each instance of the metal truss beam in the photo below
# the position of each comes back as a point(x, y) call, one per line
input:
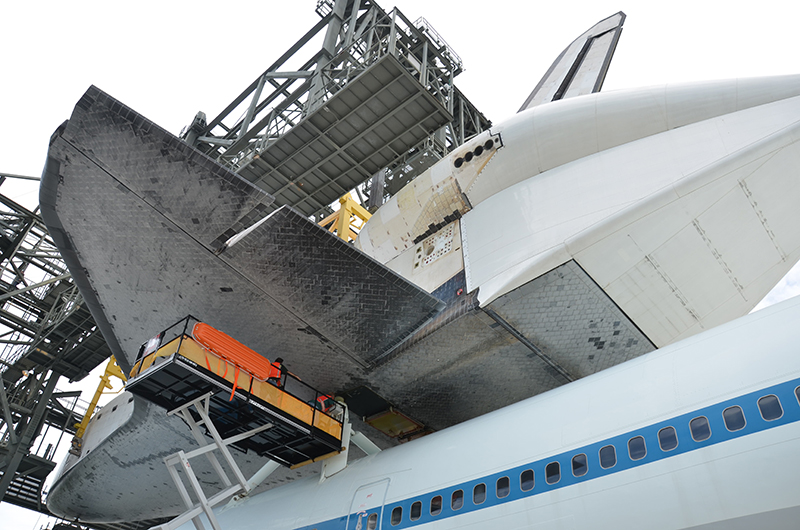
point(357, 34)
point(45, 332)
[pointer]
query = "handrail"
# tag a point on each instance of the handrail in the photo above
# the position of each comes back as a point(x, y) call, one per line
point(181, 330)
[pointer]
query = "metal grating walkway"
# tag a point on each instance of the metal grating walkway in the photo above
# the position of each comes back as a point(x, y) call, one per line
point(365, 126)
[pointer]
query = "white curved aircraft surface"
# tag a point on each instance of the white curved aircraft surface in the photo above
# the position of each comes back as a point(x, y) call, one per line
point(579, 234)
point(704, 433)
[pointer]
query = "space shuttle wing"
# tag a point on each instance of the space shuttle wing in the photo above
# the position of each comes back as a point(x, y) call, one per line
point(142, 221)
point(348, 297)
point(581, 68)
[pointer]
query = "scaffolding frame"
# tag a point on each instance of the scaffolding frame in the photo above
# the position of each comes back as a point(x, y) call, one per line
point(180, 460)
point(45, 332)
point(358, 34)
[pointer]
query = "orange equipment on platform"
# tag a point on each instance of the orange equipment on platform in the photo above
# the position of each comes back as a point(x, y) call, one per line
point(232, 350)
point(191, 359)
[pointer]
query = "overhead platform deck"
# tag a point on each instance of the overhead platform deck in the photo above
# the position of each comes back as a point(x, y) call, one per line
point(366, 125)
point(183, 368)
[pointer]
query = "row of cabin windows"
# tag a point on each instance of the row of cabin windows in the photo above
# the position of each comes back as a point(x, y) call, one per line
point(502, 489)
point(769, 406)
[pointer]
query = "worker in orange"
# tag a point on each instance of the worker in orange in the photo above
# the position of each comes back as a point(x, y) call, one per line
point(276, 372)
point(325, 403)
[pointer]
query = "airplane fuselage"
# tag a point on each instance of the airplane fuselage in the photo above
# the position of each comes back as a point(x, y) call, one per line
point(701, 434)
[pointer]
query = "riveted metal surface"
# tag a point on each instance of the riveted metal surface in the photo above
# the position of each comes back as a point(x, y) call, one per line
point(464, 364)
point(462, 370)
point(353, 300)
point(199, 196)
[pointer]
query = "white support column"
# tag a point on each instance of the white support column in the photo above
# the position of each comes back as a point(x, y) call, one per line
point(205, 504)
point(201, 441)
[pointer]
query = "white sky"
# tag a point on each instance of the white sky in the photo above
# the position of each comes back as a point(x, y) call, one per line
point(171, 58)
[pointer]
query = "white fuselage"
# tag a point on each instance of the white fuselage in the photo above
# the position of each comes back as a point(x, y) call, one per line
point(744, 476)
point(677, 200)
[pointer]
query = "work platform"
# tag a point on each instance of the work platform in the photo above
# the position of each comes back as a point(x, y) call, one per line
point(176, 367)
point(361, 129)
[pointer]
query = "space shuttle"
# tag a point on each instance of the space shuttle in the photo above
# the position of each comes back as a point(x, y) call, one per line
point(544, 291)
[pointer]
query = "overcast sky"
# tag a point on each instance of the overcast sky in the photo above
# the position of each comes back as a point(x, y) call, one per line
point(169, 59)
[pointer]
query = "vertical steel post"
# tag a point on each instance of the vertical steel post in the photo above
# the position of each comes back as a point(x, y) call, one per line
point(252, 108)
point(393, 34)
point(351, 28)
point(328, 50)
point(423, 69)
point(30, 431)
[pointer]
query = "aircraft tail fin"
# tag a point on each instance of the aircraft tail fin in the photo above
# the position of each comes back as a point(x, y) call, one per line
point(581, 68)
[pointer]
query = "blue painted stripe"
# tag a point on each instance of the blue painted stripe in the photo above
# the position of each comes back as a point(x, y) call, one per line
point(719, 434)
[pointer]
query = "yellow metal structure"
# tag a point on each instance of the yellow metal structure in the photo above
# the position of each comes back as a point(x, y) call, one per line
point(346, 222)
point(395, 424)
point(112, 370)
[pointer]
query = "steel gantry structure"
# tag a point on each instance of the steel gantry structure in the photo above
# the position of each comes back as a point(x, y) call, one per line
point(45, 332)
point(374, 106)
point(368, 111)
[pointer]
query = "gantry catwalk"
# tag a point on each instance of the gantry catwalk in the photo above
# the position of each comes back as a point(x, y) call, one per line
point(368, 111)
point(376, 105)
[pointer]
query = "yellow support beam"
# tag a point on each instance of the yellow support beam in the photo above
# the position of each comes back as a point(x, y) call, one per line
point(112, 370)
point(348, 220)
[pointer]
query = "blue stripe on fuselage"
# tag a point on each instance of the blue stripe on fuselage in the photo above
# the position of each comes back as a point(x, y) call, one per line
point(719, 434)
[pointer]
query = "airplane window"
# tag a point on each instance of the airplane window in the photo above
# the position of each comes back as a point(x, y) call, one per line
point(526, 480)
point(608, 457)
point(797, 393)
point(579, 465)
point(397, 516)
point(436, 505)
point(770, 407)
point(637, 448)
point(479, 493)
point(700, 429)
point(552, 473)
point(503, 487)
point(372, 521)
point(734, 418)
point(457, 500)
point(667, 439)
point(416, 511)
